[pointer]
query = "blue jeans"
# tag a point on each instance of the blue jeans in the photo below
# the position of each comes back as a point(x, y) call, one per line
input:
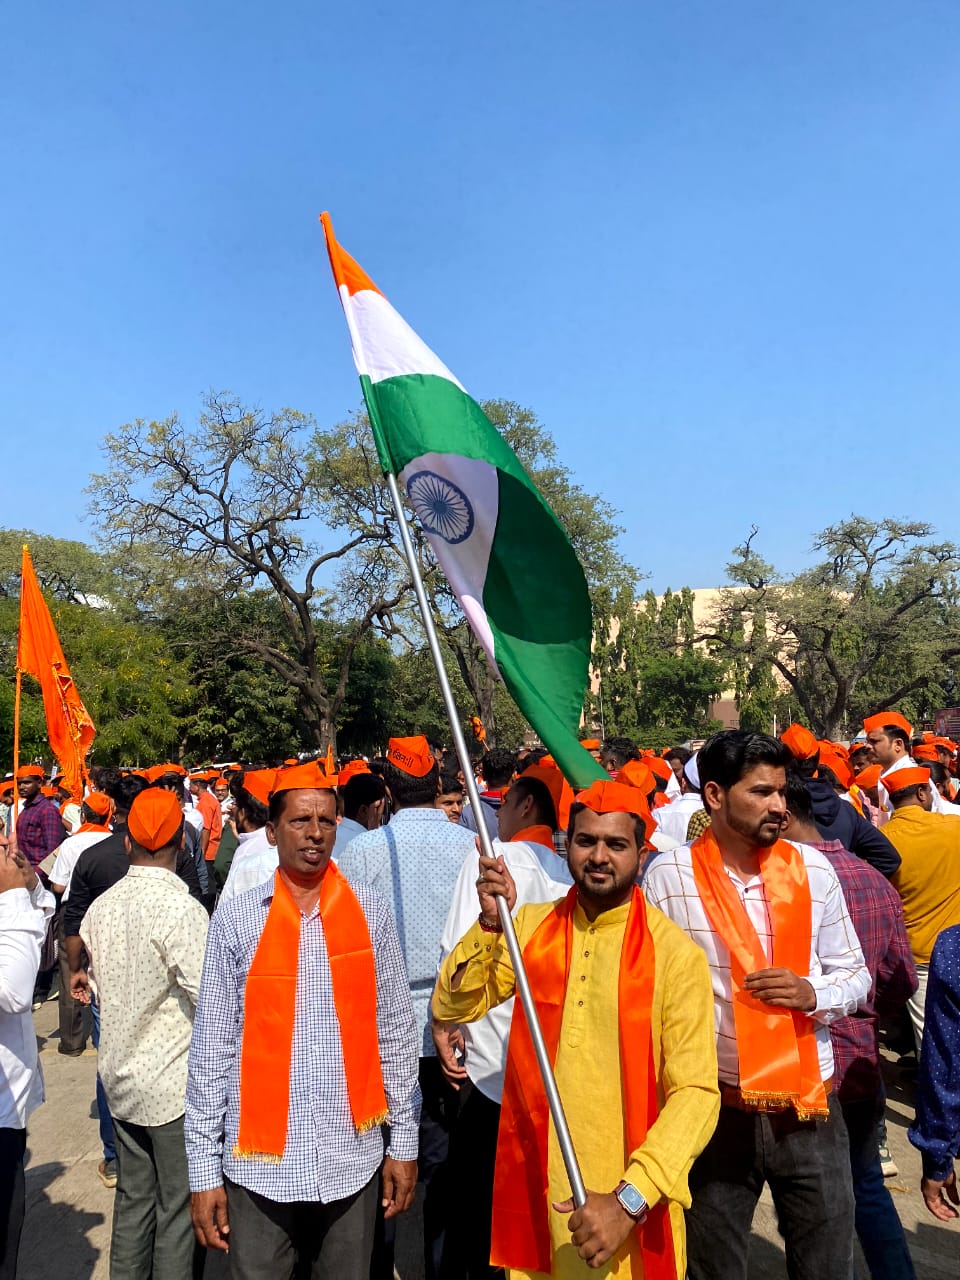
point(878, 1224)
point(106, 1123)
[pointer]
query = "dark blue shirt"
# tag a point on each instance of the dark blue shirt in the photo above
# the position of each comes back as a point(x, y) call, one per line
point(936, 1130)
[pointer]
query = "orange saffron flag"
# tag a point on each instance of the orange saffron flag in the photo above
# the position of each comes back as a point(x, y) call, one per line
point(69, 727)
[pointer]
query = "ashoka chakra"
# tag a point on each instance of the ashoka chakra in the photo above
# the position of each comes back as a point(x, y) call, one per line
point(441, 506)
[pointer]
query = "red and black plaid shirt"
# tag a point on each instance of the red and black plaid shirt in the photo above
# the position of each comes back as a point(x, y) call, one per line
point(877, 914)
point(40, 829)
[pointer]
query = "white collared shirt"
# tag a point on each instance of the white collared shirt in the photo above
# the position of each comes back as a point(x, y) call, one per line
point(838, 975)
point(23, 927)
point(540, 876)
point(254, 862)
point(145, 937)
point(908, 762)
point(65, 858)
point(672, 819)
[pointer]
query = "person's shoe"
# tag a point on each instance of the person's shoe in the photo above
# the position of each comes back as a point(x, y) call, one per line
point(887, 1166)
point(107, 1173)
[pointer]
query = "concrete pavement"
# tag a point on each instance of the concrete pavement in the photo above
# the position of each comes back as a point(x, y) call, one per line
point(67, 1230)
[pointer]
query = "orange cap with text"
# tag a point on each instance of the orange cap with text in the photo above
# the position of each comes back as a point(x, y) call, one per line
point(411, 755)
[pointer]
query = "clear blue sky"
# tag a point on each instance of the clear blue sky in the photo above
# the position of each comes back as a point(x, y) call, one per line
point(714, 246)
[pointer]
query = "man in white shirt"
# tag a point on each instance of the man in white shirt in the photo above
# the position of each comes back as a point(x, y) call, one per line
point(672, 819)
point(526, 819)
point(889, 734)
point(255, 859)
point(145, 937)
point(25, 909)
point(785, 962)
point(94, 826)
point(364, 798)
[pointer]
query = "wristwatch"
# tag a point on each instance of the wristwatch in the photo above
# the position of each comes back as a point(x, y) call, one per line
point(631, 1200)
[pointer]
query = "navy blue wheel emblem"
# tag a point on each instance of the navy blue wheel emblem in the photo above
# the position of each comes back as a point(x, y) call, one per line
point(441, 506)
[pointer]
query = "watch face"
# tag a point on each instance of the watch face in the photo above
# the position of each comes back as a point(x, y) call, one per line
point(631, 1199)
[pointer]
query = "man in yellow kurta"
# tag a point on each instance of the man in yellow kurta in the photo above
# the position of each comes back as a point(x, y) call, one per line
point(626, 1006)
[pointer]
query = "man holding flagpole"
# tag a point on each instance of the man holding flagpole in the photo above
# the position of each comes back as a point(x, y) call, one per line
point(625, 1004)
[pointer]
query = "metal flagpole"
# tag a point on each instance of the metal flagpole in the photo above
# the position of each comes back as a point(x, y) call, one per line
point(577, 1188)
point(16, 747)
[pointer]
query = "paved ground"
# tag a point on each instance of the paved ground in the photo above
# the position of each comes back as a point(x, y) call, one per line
point(67, 1232)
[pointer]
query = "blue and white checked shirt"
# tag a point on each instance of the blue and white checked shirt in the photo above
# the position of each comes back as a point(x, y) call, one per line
point(414, 862)
point(325, 1158)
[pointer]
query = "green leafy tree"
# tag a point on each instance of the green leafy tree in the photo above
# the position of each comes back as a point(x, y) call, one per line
point(135, 689)
point(252, 499)
point(873, 624)
point(654, 684)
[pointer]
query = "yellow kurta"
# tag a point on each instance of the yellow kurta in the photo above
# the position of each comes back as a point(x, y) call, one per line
point(588, 1065)
point(928, 880)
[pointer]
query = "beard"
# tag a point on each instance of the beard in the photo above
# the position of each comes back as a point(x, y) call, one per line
point(611, 887)
point(763, 833)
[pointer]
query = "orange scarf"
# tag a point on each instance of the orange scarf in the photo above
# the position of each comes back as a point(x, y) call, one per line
point(270, 1009)
point(92, 826)
point(536, 835)
point(521, 1229)
point(776, 1047)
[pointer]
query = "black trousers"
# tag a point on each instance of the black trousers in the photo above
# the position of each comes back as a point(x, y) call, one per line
point(304, 1239)
point(436, 1117)
point(806, 1164)
point(13, 1146)
point(473, 1158)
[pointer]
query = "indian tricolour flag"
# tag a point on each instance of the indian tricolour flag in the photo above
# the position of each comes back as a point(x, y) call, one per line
point(505, 553)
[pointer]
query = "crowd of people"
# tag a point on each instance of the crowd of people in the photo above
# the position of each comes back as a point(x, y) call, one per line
point(304, 1005)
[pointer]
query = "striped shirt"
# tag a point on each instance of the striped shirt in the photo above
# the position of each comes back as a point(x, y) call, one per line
point(324, 1159)
point(837, 972)
point(414, 862)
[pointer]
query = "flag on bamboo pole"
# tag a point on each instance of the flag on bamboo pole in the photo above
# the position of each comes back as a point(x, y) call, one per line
point(504, 552)
point(69, 728)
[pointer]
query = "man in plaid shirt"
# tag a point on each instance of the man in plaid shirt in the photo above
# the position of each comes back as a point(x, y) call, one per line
point(877, 915)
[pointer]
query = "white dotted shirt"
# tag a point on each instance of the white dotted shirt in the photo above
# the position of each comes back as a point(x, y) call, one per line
point(145, 937)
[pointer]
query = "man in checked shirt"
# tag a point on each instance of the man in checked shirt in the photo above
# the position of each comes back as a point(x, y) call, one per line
point(304, 1045)
point(877, 915)
point(785, 963)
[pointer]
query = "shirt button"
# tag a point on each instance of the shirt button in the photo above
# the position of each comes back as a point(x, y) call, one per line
point(583, 977)
point(593, 931)
point(586, 953)
point(580, 1003)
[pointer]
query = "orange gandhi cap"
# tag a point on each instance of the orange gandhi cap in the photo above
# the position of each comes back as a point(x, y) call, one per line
point(411, 755)
point(155, 818)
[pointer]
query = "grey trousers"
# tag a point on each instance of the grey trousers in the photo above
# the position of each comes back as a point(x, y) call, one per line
point(806, 1164)
point(152, 1235)
point(273, 1241)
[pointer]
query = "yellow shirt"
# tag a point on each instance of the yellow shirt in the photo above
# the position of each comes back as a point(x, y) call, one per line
point(588, 1065)
point(928, 880)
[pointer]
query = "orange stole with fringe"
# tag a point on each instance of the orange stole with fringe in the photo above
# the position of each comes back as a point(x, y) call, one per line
point(270, 1008)
point(776, 1047)
point(521, 1227)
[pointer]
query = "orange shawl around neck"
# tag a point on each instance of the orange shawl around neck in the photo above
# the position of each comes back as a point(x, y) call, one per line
point(270, 1009)
point(535, 835)
point(776, 1047)
point(521, 1229)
